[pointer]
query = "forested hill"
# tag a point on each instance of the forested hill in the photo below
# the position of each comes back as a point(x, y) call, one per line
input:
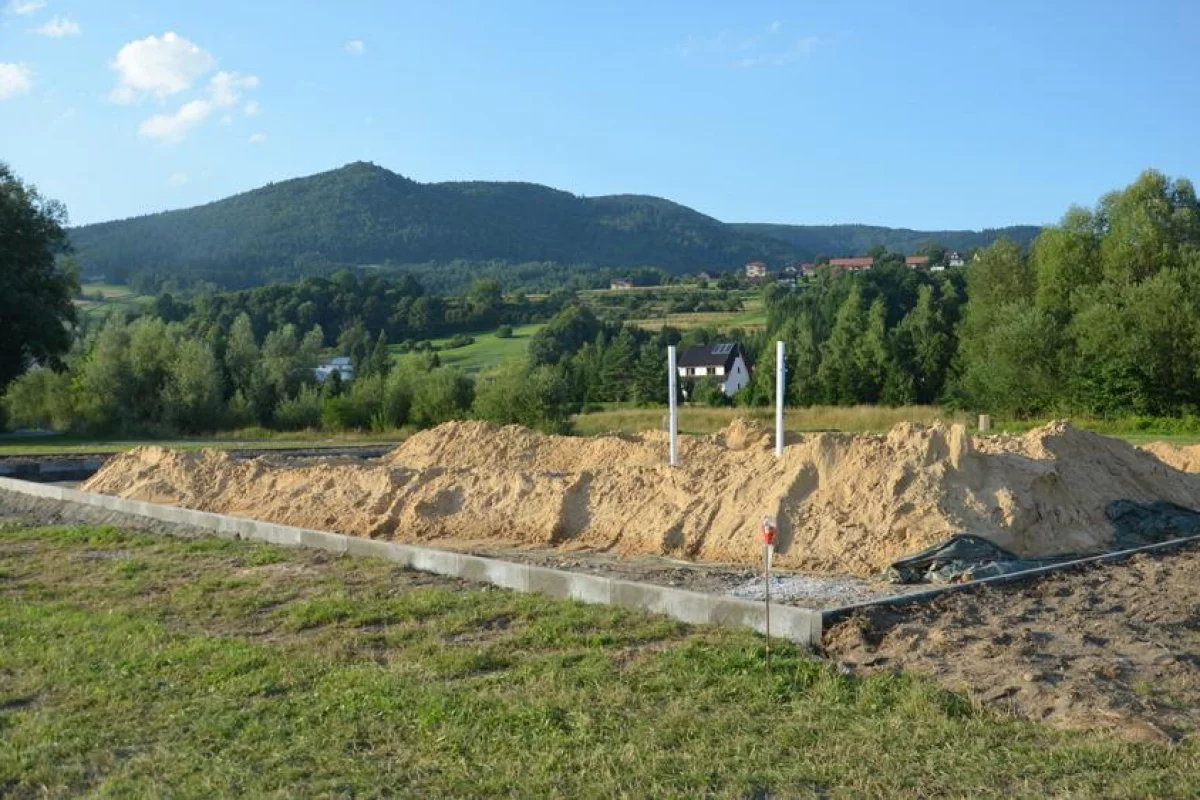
point(809, 241)
point(364, 214)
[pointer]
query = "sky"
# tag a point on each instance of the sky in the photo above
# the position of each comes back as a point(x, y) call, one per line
point(927, 115)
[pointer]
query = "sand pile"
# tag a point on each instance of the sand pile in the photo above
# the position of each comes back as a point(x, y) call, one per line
point(845, 503)
point(1185, 458)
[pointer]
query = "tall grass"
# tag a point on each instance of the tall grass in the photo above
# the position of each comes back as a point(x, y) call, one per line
point(699, 420)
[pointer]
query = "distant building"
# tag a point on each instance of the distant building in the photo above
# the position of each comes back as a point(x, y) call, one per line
point(954, 259)
point(756, 270)
point(723, 362)
point(852, 264)
point(808, 270)
point(704, 276)
point(621, 283)
point(341, 365)
point(917, 262)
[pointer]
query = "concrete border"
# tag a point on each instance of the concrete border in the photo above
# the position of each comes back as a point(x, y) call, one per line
point(801, 625)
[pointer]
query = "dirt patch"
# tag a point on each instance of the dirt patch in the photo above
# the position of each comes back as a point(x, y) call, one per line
point(846, 504)
point(1113, 646)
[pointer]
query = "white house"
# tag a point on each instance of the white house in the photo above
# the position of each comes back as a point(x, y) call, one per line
point(341, 365)
point(723, 362)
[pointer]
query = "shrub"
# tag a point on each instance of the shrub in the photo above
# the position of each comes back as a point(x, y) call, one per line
point(504, 332)
point(537, 398)
point(300, 412)
point(444, 394)
point(40, 398)
point(459, 340)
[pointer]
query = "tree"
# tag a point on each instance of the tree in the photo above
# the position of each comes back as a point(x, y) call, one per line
point(838, 374)
point(535, 397)
point(193, 395)
point(873, 361)
point(35, 293)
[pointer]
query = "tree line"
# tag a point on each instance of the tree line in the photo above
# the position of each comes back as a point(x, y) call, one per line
point(1098, 317)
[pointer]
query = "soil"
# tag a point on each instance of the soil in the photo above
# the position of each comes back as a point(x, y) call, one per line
point(1110, 646)
point(845, 504)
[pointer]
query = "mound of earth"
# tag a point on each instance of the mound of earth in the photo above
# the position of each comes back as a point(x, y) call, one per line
point(847, 504)
point(1185, 458)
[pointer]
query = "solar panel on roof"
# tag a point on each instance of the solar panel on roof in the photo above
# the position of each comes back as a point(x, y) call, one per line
point(722, 350)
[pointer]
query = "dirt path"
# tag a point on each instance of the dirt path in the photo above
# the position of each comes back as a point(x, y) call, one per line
point(1115, 646)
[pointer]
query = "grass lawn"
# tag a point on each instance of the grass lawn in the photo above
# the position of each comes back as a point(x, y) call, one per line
point(487, 351)
point(133, 665)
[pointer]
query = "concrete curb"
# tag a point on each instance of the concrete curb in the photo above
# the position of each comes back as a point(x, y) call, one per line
point(801, 625)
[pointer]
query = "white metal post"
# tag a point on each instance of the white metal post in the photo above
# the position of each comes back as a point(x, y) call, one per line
point(780, 384)
point(672, 377)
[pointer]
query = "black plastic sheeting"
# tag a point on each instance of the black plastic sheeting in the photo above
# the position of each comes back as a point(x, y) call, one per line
point(966, 558)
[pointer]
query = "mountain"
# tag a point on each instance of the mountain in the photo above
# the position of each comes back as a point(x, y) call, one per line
point(809, 241)
point(364, 214)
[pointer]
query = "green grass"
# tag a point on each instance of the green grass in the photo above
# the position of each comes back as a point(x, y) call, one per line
point(256, 439)
point(487, 351)
point(205, 672)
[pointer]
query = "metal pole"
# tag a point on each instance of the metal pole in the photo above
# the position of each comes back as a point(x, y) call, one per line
point(780, 384)
point(672, 377)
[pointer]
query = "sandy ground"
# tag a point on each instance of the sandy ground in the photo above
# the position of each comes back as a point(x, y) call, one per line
point(1111, 646)
point(845, 504)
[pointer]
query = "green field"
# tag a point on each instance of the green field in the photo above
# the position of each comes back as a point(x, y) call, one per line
point(136, 666)
point(117, 297)
point(487, 351)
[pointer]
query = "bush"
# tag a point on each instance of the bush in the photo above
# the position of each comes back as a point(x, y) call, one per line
point(504, 332)
point(459, 340)
point(40, 398)
point(537, 398)
point(299, 412)
point(355, 409)
point(444, 394)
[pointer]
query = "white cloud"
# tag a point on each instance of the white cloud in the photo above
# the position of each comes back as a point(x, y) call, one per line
point(179, 179)
point(251, 109)
point(226, 88)
point(257, 138)
point(356, 47)
point(15, 79)
point(59, 27)
point(224, 91)
point(774, 27)
point(23, 7)
point(173, 127)
point(162, 66)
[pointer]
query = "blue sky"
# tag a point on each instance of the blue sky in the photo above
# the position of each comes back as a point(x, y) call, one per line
point(916, 114)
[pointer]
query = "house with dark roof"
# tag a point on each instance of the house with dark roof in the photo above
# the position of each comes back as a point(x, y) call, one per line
point(723, 362)
point(621, 283)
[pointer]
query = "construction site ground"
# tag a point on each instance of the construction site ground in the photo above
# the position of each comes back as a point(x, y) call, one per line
point(1108, 646)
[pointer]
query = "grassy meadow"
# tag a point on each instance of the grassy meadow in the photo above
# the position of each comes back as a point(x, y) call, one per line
point(488, 350)
point(135, 665)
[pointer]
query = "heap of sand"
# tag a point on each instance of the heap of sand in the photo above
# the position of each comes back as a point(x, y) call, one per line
point(845, 503)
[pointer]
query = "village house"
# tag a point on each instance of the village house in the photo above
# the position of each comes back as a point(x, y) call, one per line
point(954, 259)
point(756, 271)
point(704, 276)
point(621, 283)
point(722, 362)
point(341, 365)
point(917, 262)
